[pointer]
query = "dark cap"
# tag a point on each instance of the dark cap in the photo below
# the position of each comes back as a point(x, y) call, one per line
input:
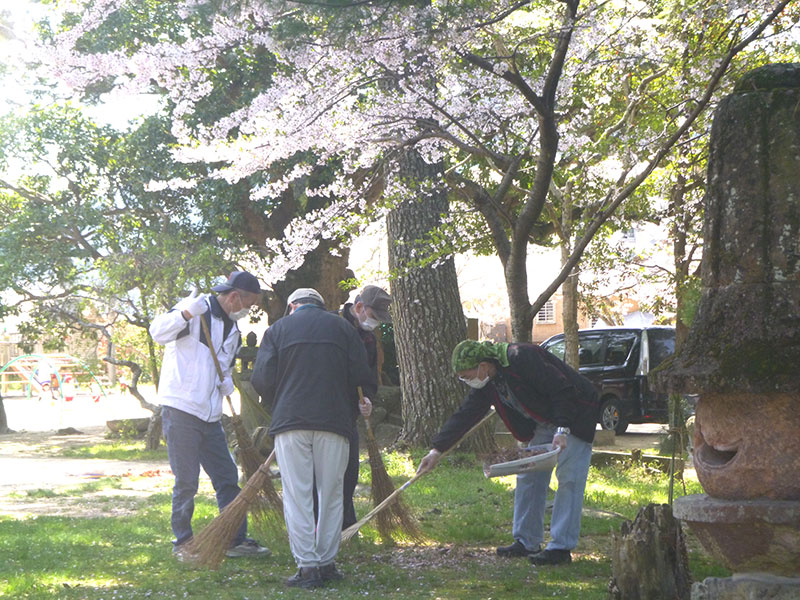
point(378, 300)
point(239, 280)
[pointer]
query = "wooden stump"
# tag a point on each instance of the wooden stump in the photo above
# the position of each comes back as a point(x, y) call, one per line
point(650, 560)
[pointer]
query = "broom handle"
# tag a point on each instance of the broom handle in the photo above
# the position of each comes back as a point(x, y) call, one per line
point(394, 494)
point(370, 435)
point(204, 325)
point(265, 466)
point(488, 416)
point(254, 484)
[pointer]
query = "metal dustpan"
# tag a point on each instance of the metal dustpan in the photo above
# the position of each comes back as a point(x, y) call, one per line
point(541, 459)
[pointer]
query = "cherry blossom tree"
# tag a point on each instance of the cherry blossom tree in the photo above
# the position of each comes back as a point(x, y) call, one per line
point(501, 91)
point(546, 117)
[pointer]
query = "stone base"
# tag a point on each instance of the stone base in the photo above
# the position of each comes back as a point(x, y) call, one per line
point(755, 586)
point(750, 536)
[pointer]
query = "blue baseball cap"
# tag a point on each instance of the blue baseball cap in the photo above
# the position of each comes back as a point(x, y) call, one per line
point(239, 280)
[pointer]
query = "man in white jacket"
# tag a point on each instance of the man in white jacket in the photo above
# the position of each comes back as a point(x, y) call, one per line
point(191, 392)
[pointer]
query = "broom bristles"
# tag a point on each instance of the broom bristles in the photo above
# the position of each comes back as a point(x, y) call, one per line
point(269, 500)
point(348, 533)
point(248, 456)
point(398, 516)
point(208, 547)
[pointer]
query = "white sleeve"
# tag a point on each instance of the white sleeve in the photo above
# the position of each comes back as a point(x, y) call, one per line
point(165, 328)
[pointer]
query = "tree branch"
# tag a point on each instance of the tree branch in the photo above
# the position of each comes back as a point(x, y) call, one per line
point(513, 78)
point(559, 55)
point(501, 161)
point(136, 369)
point(493, 213)
point(625, 192)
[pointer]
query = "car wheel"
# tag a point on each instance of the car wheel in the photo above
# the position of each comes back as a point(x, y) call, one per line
point(611, 417)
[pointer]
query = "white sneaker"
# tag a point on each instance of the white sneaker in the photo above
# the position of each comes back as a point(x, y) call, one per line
point(248, 547)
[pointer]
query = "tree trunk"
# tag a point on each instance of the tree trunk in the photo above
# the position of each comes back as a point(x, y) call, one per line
point(649, 561)
point(153, 436)
point(322, 270)
point(152, 361)
point(518, 301)
point(683, 217)
point(681, 262)
point(569, 314)
point(428, 318)
point(569, 289)
point(3, 419)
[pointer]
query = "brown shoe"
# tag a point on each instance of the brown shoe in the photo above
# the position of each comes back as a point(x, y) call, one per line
point(306, 577)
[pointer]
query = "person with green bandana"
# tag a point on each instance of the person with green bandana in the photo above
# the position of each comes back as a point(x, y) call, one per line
point(541, 400)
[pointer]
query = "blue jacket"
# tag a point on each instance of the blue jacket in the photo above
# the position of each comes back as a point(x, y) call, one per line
point(307, 369)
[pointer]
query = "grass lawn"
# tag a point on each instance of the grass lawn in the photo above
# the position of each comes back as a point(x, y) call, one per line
point(463, 515)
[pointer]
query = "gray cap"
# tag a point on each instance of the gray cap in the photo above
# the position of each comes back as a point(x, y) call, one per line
point(378, 300)
point(306, 294)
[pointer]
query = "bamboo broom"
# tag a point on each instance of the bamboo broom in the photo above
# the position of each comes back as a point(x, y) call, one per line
point(249, 456)
point(209, 546)
point(398, 517)
point(353, 529)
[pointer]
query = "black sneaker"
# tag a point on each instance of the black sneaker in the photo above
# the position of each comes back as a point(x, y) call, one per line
point(514, 550)
point(306, 577)
point(551, 557)
point(329, 572)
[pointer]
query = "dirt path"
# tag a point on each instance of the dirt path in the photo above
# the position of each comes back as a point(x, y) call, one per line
point(35, 477)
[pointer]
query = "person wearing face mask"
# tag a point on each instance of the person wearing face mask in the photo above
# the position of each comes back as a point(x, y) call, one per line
point(541, 400)
point(369, 309)
point(190, 392)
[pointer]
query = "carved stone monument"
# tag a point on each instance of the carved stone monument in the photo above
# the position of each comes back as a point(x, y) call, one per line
point(743, 352)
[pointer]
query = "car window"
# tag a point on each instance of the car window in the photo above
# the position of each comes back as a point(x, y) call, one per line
point(556, 348)
point(618, 348)
point(590, 350)
point(662, 345)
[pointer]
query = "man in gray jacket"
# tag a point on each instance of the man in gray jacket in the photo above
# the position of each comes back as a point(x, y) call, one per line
point(307, 368)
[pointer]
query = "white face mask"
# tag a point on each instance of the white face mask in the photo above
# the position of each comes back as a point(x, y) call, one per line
point(239, 314)
point(235, 315)
point(476, 382)
point(369, 323)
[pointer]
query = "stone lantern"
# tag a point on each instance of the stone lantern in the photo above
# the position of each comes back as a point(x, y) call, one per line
point(742, 355)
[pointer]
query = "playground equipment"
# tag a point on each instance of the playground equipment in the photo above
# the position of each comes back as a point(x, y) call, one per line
point(51, 375)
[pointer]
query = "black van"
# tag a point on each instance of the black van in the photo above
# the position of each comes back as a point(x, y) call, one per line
point(617, 360)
